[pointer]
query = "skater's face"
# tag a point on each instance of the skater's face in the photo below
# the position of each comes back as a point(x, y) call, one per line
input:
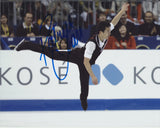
point(106, 33)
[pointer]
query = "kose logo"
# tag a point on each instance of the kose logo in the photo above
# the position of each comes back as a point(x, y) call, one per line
point(110, 72)
point(138, 75)
point(115, 75)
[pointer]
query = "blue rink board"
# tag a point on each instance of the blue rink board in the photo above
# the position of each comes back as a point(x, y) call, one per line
point(75, 105)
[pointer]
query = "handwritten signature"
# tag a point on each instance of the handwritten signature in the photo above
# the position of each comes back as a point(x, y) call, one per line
point(59, 34)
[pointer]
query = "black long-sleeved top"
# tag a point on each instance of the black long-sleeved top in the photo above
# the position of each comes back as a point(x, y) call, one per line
point(22, 32)
point(45, 32)
point(146, 29)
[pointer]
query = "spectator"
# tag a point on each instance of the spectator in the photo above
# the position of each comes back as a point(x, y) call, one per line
point(156, 11)
point(59, 9)
point(63, 44)
point(131, 27)
point(56, 36)
point(39, 12)
point(72, 18)
point(57, 33)
point(6, 30)
point(99, 6)
point(6, 7)
point(46, 29)
point(123, 40)
point(101, 17)
point(27, 28)
point(152, 6)
point(19, 11)
point(86, 12)
point(149, 27)
point(27, 6)
point(135, 11)
point(147, 6)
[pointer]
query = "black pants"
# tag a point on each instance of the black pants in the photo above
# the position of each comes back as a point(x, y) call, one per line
point(74, 56)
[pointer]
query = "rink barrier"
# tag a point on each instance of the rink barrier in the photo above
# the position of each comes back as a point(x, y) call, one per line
point(142, 42)
point(75, 105)
point(127, 80)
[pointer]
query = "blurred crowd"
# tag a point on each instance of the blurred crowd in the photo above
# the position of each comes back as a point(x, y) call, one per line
point(53, 18)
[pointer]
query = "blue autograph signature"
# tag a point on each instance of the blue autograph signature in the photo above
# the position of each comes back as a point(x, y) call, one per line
point(48, 38)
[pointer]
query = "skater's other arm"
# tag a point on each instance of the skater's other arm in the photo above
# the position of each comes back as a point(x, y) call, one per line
point(90, 47)
point(89, 69)
point(121, 12)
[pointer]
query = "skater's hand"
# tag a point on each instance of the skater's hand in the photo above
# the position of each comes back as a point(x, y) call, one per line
point(125, 6)
point(89, 70)
point(94, 80)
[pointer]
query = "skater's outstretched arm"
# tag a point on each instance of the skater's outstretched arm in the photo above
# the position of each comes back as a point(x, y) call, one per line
point(121, 12)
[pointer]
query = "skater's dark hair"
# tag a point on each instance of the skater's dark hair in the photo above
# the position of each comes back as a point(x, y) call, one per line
point(102, 26)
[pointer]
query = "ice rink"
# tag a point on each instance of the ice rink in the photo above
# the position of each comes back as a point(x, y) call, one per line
point(79, 119)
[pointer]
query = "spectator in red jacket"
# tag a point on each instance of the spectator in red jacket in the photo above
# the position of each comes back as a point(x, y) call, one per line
point(122, 40)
